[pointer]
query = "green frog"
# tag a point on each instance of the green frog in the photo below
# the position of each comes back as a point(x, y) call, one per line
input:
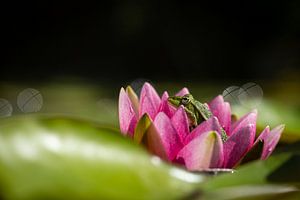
point(196, 111)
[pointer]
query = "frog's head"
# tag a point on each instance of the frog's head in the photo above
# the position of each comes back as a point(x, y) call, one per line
point(180, 100)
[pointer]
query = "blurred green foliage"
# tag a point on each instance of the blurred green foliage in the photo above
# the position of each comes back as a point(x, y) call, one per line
point(63, 158)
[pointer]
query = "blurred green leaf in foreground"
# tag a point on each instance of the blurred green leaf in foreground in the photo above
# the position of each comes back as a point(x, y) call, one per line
point(61, 158)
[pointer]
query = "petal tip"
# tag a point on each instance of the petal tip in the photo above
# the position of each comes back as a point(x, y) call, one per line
point(149, 100)
point(281, 126)
point(267, 128)
point(165, 96)
point(147, 84)
point(254, 111)
point(279, 129)
point(130, 91)
point(128, 87)
point(220, 97)
point(122, 90)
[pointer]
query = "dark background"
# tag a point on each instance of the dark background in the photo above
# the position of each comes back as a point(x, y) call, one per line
point(178, 40)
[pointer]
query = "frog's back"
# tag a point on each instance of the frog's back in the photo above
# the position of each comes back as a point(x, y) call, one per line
point(203, 110)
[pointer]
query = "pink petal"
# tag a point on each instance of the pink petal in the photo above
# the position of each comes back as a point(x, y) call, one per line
point(182, 92)
point(212, 124)
point(238, 145)
point(249, 118)
point(165, 96)
point(168, 134)
point(271, 140)
point(132, 126)
point(127, 117)
point(181, 123)
point(263, 135)
point(166, 107)
point(154, 142)
point(222, 111)
point(203, 152)
point(149, 101)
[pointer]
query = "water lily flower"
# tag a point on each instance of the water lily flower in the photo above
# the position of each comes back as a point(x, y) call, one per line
point(166, 132)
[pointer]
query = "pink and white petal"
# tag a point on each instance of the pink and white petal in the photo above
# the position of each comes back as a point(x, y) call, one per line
point(154, 143)
point(222, 111)
point(127, 117)
point(271, 140)
point(212, 124)
point(249, 118)
point(180, 122)
point(149, 101)
point(168, 134)
point(165, 96)
point(166, 107)
point(131, 127)
point(237, 145)
point(263, 135)
point(182, 92)
point(203, 152)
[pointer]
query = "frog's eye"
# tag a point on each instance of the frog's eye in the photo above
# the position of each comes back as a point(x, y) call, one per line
point(185, 101)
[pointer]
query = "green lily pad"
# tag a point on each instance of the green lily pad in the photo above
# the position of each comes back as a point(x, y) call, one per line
point(64, 158)
point(277, 177)
point(253, 173)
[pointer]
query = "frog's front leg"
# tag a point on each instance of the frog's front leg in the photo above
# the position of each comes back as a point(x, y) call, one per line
point(192, 117)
